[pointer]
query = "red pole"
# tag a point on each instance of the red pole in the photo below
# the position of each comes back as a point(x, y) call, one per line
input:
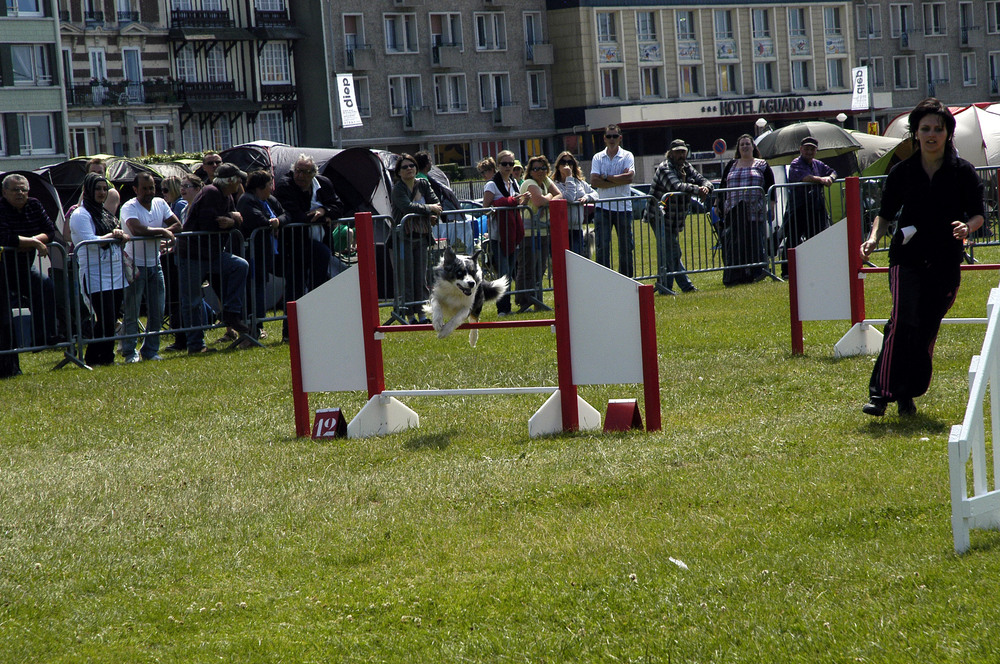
point(369, 302)
point(650, 360)
point(300, 400)
point(857, 284)
point(793, 304)
point(559, 236)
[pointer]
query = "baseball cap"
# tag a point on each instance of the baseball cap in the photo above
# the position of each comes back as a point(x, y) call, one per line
point(809, 140)
point(228, 170)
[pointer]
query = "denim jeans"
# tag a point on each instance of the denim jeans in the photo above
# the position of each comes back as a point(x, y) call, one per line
point(622, 222)
point(505, 265)
point(148, 280)
point(668, 258)
point(532, 260)
point(233, 273)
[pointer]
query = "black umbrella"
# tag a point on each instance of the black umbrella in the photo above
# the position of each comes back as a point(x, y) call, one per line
point(782, 145)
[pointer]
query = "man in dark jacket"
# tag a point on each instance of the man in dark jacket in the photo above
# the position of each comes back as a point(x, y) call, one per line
point(667, 213)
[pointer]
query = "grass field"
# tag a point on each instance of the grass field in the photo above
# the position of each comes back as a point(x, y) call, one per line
point(165, 512)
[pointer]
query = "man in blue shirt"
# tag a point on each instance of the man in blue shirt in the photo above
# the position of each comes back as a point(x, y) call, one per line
point(611, 173)
point(806, 214)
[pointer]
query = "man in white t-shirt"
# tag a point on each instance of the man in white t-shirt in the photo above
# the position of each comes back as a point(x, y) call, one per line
point(611, 174)
point(148, 220)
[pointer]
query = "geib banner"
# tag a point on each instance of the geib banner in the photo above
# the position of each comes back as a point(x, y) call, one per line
point(349, 115)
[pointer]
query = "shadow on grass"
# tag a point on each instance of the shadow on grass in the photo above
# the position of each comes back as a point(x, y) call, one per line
point(893, 425)
point(430, 441)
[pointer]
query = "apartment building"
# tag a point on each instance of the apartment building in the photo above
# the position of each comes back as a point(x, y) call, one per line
point(461, 79)
point(32, 100)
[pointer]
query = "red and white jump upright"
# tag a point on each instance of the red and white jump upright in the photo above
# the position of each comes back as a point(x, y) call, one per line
point(336, 342)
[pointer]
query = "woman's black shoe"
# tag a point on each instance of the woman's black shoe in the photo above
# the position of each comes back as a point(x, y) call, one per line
point(907, 407)
point(875, 407)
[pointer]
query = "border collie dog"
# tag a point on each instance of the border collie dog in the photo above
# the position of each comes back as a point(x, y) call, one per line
point(459, 293)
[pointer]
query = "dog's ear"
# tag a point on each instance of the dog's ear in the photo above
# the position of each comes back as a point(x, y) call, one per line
point(475, 255)
point(449, 253)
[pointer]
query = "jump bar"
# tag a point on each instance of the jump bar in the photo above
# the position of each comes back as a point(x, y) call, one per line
point(423, 327)
point(475, 391)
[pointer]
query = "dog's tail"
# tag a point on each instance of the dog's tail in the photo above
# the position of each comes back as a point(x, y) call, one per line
point(494, 290)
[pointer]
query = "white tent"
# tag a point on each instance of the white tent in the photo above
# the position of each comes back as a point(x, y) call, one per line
point(977, 134)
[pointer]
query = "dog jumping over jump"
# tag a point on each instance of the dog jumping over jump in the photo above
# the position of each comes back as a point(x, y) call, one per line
point(460, 292)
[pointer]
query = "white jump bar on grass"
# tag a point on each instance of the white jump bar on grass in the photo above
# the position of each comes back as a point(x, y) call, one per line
point(478, 391)
point(953, 321)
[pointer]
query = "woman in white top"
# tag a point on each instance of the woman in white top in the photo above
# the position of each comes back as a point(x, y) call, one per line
point(506, 227)
point(102, 278)
point(575, 189)
point(533, 254)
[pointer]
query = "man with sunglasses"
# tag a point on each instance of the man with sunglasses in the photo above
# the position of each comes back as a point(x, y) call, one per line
point(611, 173)
point(209, 162)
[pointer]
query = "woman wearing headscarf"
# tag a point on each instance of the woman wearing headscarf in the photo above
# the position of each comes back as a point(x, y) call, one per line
point(102, 278)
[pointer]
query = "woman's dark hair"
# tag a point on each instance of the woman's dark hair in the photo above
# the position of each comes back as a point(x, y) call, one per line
point(103, 220)
point(756, 152)
point(574, 166)
point(402, 158)
point(258, 179)
point(932, 106)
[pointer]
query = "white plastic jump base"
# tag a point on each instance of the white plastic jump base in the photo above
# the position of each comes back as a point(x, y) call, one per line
point(381, 416)
point(861, 339)
point(547, 420)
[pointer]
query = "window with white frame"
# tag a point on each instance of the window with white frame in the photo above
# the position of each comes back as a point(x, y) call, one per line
point(37, 133)
point(24, 8)
point(362, 96)
point(450, 93)
point(994, 62)
point(354, 31)
point(728, 79)
point(966, 21)
point(181, 5)
point(271, 126)
point(494, 90)
point(869, 21)
point(607, 31)
point(83, 141)
point(969, 69)
point(184, 64)
point(191, 138)
point(645, 26)
point(533, 28)
point(723, 19)
point(831, 21)
point(404, 94)
point(536, 90)
point(446, 29)
point(761, 23)
point(800, 75)
point(152, 139)
point(904, 72)
point(274, 67)
point(690, 80)
point(937, 68)
point(797, 25)
point(763, 76)
point(934, 19)
point(491, 31)
point(685, 24)
point(900, 20)
point(611, 84)
point(651, 83)
point(876, 72)
point(98, 64)
point(222, 135)
point(215, 66)
point(67, 61)
point(270, 5)
point(836, 78)
point(400, 33)
point(993, 17)
point(31, 64)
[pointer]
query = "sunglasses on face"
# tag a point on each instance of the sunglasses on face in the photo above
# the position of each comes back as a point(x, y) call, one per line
point(565, 162)
point(612, 136)
point(405, 166)
point(213, 163)
point(507, 163)
point(538, 168)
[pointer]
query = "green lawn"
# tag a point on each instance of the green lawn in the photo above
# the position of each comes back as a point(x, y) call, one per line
point(165, 511)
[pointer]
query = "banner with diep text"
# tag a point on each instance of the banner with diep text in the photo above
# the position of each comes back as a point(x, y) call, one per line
point(859, 94)
point(349, 114)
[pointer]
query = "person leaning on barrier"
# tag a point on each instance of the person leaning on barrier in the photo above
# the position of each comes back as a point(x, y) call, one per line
point(806, 214)
point(102, 277)
point(150, 221)
point(262, 217)
point(938, 198)
point(506, 227)
point(190, 187)
point(417, 208)
point(744, 214)
point(10, 364)
point(533, 253)
point(569, 179)
point(611, 173)
point(212, 211)
point(26, 218)
point(667, 217)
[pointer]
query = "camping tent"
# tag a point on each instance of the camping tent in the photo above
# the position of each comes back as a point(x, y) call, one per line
point(876, 153)
point(67, 177)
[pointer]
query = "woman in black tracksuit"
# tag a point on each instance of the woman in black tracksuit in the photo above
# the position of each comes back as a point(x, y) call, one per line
point(939, 199)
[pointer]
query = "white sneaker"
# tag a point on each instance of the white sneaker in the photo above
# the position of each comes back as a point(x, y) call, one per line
point(133, 359)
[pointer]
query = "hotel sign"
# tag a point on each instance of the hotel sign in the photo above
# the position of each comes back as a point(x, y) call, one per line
point(770, 106)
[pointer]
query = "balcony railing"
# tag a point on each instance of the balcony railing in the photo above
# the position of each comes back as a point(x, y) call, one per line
point(92, 18)
point(123, 93)
point(268, 17)
point(127, 17)
point(278, 93)
point(199, 91)
point(361, 57)
point(191, 18)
